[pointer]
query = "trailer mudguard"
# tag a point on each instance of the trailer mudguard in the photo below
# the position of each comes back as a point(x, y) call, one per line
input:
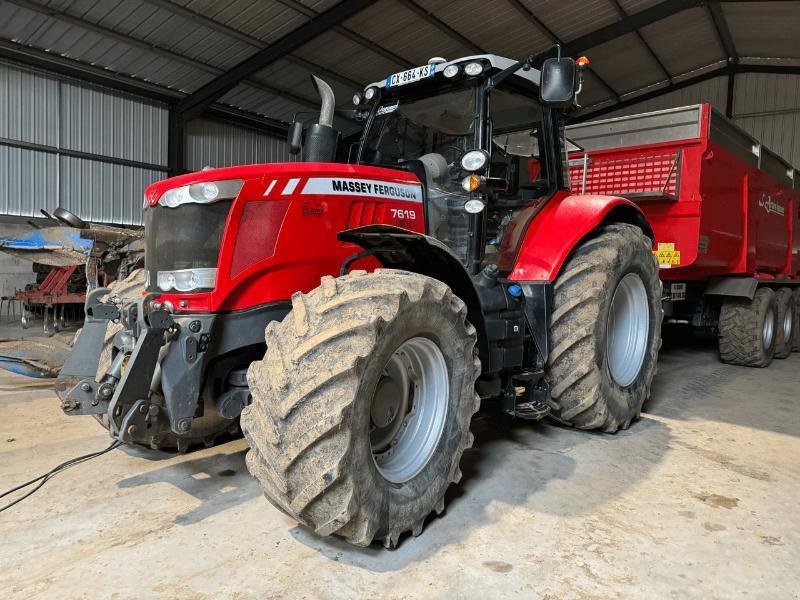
point(398, 248)
point(555, 231)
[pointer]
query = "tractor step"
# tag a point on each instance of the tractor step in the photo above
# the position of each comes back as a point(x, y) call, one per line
point(531, 411)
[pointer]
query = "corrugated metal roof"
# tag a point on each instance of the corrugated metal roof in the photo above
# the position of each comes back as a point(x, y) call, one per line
point(765, 28)
point(183, 44)
point(685, 41)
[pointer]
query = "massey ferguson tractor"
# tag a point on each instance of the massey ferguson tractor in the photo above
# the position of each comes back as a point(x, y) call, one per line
point(445, 265)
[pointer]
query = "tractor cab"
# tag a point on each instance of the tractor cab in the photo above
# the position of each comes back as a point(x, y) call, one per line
point(481, 137)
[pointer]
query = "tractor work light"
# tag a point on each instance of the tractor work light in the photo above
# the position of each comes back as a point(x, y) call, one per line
point(371, 93)
point(473, 68)
point(470, 183)
point(451, 71)
point(475, 160)
point(201, 193)
point(186, 280)
point(474, 206)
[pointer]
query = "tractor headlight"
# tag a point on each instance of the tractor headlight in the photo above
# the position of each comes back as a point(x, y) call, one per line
point(473, 68)
point(475, 160)
point(370, 93)
point(451, 71)
point(357, 99)
point(185, 280)
point(474, 206)
point(201, 193)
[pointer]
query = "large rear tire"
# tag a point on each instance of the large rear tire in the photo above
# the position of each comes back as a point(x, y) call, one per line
point(747, 329)
point(362, 404)
point(796, 336)
point(785, 322)
point(204, 429)
point(605, 330)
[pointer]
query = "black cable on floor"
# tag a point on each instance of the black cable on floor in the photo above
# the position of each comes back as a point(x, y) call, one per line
point(42, 479)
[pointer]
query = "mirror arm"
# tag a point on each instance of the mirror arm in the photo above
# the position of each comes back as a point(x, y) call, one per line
point(497, 79)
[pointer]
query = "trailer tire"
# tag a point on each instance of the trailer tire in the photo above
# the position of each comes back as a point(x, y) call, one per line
point(315, 440)
point(204, 430)
point(796, 336)
point(785, 322)
point(746, 337)
point(594, 384)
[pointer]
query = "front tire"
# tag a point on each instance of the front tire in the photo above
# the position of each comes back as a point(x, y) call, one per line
point(605, 330)
point(337, 429)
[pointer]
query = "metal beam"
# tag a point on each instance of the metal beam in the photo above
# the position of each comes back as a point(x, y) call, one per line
point(196, 102)
point(725, 71)
point(79, 154)
point(723, 32)
point(164, 53)
point(729, 97)
point(624, 15)
point(427, 15)
point(359, 39)
point(630, 24)
point(250, 40)
point(73, 69)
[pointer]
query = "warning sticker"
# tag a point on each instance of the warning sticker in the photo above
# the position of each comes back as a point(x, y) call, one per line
point(667, 255)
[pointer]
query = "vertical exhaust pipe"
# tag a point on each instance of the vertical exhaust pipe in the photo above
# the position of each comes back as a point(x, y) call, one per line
point(328, 101)
point(322, 138)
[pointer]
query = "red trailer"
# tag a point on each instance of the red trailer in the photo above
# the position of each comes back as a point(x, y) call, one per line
point(726, 217)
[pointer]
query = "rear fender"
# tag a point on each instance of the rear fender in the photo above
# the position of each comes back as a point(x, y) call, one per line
point(397, 248)
point(562, 224)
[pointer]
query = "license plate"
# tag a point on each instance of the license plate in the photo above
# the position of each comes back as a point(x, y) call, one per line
point(410, 76)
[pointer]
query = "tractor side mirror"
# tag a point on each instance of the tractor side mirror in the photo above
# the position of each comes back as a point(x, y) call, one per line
point(294, 138)
point(557, 85)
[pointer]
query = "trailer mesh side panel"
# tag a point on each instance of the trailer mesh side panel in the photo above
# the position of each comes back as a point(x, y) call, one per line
point(641, 175)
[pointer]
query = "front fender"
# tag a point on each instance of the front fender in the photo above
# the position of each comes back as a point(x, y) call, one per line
point(555, 231)
point(423, 254)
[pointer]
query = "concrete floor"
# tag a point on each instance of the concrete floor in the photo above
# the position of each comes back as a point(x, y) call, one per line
point(698, 499)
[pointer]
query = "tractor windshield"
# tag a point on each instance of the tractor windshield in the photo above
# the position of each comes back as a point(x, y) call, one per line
point(405, 130)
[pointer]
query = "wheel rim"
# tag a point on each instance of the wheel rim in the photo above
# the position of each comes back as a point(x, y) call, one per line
point(788, 324)
point(768, 330)
point(628, 329)
point(408, 409)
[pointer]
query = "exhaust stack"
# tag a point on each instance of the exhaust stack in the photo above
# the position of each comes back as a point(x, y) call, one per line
point(328, 101)
point(322, 138)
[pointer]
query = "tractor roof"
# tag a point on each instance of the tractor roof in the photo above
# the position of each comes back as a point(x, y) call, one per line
point(497, 63)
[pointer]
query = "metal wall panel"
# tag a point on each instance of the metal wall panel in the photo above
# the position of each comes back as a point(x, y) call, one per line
point(109, 124)
point(110, 193)
point(28, 181)
point(214, 144)
point(29, 106)
point(57, 115)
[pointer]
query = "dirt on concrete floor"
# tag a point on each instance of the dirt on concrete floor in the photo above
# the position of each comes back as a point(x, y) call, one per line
point(698, 499)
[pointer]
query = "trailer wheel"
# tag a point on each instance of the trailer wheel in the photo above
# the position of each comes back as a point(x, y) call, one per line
point(605, 330)
point(204, 430)
point(796, 336)
point(785, 322)
point(362, 404)
point(747, 333)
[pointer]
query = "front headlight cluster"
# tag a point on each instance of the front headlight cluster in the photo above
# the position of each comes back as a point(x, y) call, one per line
point(201, 193)
point(186, 280)
point(470, 69)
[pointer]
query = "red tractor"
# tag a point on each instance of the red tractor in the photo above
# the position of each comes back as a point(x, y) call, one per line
point(447, 264)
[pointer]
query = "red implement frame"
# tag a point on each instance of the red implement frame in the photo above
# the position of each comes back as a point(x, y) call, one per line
point(53, 290)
